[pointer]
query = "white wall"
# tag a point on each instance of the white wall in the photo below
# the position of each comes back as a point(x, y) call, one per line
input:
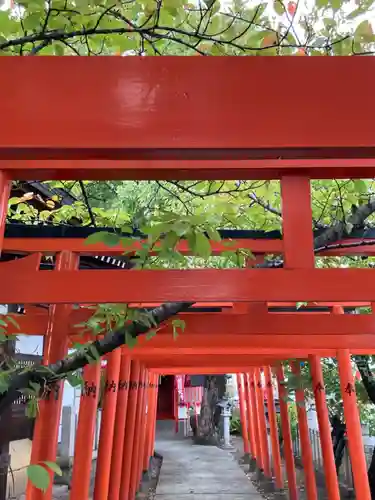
point(30, 344)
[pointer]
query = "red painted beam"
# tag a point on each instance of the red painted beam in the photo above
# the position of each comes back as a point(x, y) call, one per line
point(78, 245)
point(139, 103)
point(188, 370)
point(204, 285)
point(211, 324)
point(216, 360)
point(257, 246)
point(187, 169)
point(247, 344)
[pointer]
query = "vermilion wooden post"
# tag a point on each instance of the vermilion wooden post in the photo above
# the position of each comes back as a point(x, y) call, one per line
point(5, 185)
point(120, 426)
point(155, 409)
point(130, 431)
point(307, 458)
point(251, 424)
point(324, 428)
point(352, 420)
point(262, 424)
point(287, 436)
point(244, 424)
point(141, 432)
point(137, 436)
point(276, 458)
point(144, 435)
point(88, 410)
point(150, 417)
point(55, 347)
point(353, 426)
point(107, 426)
point(255, 412)
point(298, 254)
point(175, 406)
point(297, 222)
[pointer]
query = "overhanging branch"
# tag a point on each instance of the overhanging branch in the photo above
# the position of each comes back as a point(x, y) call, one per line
point(110, 342)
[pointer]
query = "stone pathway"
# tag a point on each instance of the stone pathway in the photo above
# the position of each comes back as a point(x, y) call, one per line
point(192, 472)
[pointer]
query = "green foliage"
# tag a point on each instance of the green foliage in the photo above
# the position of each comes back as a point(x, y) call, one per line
point(39, 474)
point(178, 326)
point(5, 321)
point(293, 420)
point(32, 408)
point(109, 239)
point(235, 425)
point(175, 27)
point(75, 379)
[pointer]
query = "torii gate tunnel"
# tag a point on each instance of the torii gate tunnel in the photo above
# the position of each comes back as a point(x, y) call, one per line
point(189, 118)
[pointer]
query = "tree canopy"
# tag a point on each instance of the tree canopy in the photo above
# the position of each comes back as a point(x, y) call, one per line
point(177, 27)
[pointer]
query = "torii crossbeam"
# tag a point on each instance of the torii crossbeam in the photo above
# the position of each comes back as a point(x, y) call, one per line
point(154, 118)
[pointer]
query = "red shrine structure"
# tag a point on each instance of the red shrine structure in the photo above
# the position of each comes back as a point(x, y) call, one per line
point(156, 118)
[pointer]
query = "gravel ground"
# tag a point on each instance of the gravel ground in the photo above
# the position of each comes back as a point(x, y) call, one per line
point(150, 480)
point(263, 485)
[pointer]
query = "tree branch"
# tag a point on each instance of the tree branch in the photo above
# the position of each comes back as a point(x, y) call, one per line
point(57, 371)
point(334, 233)
point(341, 229)
point(367, 376)
point(88, 206)
point(264, 205)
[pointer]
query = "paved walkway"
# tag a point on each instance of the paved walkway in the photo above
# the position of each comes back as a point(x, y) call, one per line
point(200, 473)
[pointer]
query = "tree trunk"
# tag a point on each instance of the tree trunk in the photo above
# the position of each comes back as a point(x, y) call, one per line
point(209, 418)
point(371, 475)
point(47, 375)
point(338, 441)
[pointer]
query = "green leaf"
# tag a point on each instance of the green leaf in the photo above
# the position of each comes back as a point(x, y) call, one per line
point(301, 304)
point(279, 7)
point(213, 234)
point(93, 352)
point(3, 338)
point(364, 32)
point(170, 241)
point(127, 229)
point(109, 239)
point(53, 466)
point(14, 200)
point(191, 239)
point(360, 186)
point(336, 4)
point(178, 324)
point(38, 476)
point(74, 379)
point(12, 320)
point(32, 407)
point(59, 49)
point(355, 13)
point(202, 245)
point(4, 382)
point(35, 387)
point(151, 333)
point(130, 341)
point(33, 20)
point(127, 242)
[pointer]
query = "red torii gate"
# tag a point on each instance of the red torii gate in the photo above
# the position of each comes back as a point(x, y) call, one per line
point(142, 118)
